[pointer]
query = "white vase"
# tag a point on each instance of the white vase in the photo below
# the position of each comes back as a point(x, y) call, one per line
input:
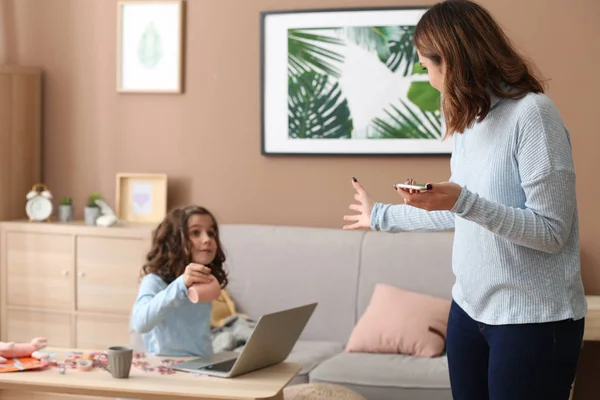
point(90, 215)
point(65, 213)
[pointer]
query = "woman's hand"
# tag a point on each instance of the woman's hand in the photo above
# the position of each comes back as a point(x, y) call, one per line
point(441, 196)
point(197, 273)
point(364, 207)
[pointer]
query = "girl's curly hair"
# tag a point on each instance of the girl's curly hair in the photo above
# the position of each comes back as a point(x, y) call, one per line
point(172, 248)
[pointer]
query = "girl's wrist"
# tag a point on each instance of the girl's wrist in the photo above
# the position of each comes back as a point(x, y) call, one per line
point(180, 282)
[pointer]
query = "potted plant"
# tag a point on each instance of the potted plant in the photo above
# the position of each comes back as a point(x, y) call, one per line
point(91, 212)
point(65, 209)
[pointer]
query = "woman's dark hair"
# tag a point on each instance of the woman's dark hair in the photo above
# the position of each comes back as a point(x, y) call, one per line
point(476, 58)
point(172, 248)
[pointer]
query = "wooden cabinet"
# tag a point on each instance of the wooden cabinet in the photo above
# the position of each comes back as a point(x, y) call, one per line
point(71, 283)
point(24, 325)
point(20, 137)
point(106, 283)
point(39, 267)
point(112, 329)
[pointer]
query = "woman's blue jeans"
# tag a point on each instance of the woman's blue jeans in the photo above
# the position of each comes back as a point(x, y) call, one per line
point(512, 362)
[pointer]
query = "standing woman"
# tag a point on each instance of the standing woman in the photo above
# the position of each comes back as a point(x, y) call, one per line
point(517, 318)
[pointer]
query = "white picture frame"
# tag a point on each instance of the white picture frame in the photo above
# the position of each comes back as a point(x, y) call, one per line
point(329, 87)
point(150, 37)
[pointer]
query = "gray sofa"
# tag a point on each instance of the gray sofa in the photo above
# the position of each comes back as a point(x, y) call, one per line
point(276, 267)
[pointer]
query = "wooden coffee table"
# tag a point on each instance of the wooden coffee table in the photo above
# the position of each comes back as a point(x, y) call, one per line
point(267, 383)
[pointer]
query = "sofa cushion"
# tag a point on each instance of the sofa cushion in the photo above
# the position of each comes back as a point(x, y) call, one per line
point(387, 376)
point(310, 353)
point(402, 322)
point(276, 267)
point(416, 261)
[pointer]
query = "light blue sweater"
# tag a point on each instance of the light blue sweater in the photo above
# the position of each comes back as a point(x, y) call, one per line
point(170, 324)
point(516, 240)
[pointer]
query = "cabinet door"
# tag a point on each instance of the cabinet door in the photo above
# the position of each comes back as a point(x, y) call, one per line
point(24, 325)
point(108, 272)
point(39, 270)
point(100, 333)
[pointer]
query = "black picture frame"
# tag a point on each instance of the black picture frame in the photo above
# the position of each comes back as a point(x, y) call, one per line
point(306, 101)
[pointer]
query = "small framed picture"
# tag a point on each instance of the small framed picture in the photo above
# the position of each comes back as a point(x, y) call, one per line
point(141, 197)
point(150, 46)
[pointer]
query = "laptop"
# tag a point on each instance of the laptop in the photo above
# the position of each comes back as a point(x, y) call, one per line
point(270, 343)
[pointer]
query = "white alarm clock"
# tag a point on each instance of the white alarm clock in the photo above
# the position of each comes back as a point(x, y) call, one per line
point(39, 203)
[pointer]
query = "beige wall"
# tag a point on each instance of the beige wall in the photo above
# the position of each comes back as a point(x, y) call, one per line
point(208, 140)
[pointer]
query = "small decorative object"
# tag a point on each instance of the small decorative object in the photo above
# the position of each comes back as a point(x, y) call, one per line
point(150, 38)
point(347, 82)
point(65, 210)
point(39, 203)
point(16, 350)
point(19, 364)
point(107, 217)
point(91, 212)
point(84, 365)
point(41, 355)
point(202, 292)
point(141, 197)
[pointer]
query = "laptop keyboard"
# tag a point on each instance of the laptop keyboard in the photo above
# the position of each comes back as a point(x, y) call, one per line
point(224, 366)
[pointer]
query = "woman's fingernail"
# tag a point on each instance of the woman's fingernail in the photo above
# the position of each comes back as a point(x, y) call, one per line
point(354, 179)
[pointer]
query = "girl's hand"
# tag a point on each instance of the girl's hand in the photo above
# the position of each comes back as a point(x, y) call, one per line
point(441, 196)
point(364, 207)
point(197, 273)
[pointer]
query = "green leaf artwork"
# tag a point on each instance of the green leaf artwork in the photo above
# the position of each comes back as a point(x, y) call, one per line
point(423, 95)
point(407, 123)
point(329, 99)
point(393, 44)
point(308, 51)
point(317, 109)
point(150, 47)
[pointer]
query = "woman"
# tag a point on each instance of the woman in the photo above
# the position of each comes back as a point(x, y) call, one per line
point(516, 322)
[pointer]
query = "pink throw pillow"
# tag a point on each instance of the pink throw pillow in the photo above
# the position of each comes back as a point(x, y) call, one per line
point(397, 321)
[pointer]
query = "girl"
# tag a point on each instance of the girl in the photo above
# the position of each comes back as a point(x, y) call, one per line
point(517, 318)
point(186, 251)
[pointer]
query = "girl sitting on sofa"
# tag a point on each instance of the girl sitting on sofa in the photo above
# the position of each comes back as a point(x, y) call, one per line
point(186, 252)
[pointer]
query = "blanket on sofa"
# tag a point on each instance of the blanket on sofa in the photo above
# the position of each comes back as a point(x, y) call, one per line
point(233, 334)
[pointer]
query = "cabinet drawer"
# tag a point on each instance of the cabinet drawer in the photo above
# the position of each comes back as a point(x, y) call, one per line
point(108, 272)
point(101, 332)
point(24, 325)
point(39, 270)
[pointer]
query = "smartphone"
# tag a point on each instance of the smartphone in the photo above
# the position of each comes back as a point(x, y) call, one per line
point(420, 188)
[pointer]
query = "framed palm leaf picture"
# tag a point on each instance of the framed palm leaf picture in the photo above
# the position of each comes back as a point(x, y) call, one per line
point(346, 82)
